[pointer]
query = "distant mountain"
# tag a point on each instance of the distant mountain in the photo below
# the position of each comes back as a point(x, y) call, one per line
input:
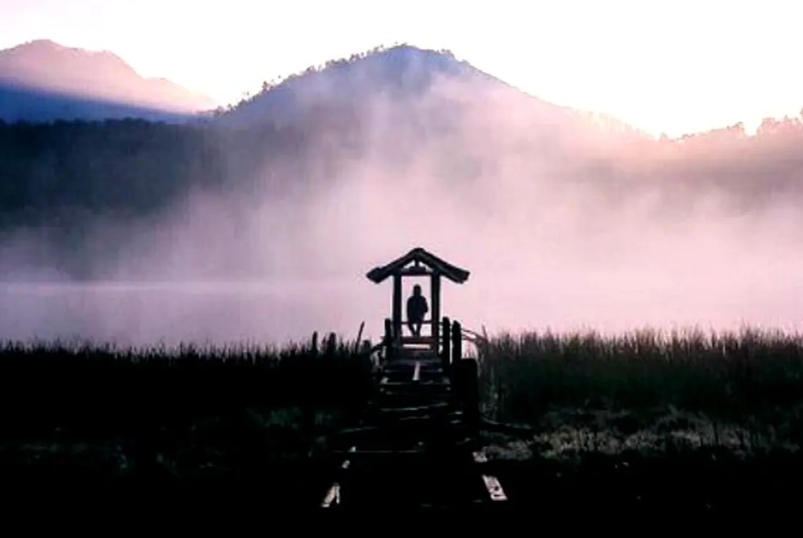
point(42, 81)
point(410, 83)
point(401, 73)
point(363, 152)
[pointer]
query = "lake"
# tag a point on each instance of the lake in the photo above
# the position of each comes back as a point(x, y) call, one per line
point(213, 312)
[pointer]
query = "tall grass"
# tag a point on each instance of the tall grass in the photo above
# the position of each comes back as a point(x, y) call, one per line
point(227, 420)
point(727, 374)
point(98, 388)
point(91, 385)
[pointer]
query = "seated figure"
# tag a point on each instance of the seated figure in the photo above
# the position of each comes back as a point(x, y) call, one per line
point(417, 308)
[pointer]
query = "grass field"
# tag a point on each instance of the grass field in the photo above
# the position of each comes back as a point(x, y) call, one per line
point(627, 419)
point(676, 420)
point(211, 421)
point(744, 388)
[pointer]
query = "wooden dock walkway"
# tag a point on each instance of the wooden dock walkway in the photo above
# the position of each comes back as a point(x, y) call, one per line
point(417, 446)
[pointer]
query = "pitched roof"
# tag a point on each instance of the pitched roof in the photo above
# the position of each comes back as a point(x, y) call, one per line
point(453, 273)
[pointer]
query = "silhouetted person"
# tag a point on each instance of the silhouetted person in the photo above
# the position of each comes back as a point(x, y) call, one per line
point(417, 307)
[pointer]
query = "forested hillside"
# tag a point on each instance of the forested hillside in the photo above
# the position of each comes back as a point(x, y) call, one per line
point(487, 142)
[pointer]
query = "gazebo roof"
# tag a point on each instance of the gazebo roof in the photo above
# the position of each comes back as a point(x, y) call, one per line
point(453, 273)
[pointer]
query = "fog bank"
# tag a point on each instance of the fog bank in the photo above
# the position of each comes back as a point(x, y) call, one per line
point(554, 218)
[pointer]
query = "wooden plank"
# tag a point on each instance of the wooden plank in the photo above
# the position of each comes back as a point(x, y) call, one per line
point(442, 383)
point(400, 377)
point(401, 364)
point(419, 340)
point(407, 355)
point(411, 404)
point(430, 366)
point(491, 482)
point(361, 429)
point(387, 393)
point(494, 488)
point(333, 494)
point(454, 419)
point(381, 453)
point(424, 369)
point(420, 409)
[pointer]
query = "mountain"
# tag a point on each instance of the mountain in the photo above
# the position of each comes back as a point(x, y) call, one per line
point(401, 73)
point(396, 107)
point(407, 79)
point(42, 81)
point(358, 155)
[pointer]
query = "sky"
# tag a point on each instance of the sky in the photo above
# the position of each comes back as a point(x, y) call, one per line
point(675, 66)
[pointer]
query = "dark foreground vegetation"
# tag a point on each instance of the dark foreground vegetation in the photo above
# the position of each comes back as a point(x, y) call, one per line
point(692, 421)
point(682, 420)
point(218, 424)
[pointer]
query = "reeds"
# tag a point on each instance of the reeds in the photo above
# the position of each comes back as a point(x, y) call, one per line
point(724, 375)
point(97, 387)
point(727, 374)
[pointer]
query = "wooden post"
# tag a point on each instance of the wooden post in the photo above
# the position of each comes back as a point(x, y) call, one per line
point(435, 295)
point(455, 368)
point(457, 342)
point(388, 340)
point(446, 351)
point(471, 395)
point(397, 306)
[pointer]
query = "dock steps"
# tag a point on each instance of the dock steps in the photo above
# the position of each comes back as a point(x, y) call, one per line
point(415, 447)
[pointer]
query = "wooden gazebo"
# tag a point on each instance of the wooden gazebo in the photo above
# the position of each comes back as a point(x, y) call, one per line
point(418, 262)
point(419, 443)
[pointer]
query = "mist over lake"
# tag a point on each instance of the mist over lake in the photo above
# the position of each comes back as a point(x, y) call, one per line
point(145, 314)
point(260, 223)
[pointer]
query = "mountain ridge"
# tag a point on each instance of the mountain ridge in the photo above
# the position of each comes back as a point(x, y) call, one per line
point(72, 79)
point(42, 80)
point(402, 76)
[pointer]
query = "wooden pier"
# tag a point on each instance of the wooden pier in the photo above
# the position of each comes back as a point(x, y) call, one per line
point(417, 446)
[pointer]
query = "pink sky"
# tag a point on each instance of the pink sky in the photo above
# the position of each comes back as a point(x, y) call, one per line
point(669, 67)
